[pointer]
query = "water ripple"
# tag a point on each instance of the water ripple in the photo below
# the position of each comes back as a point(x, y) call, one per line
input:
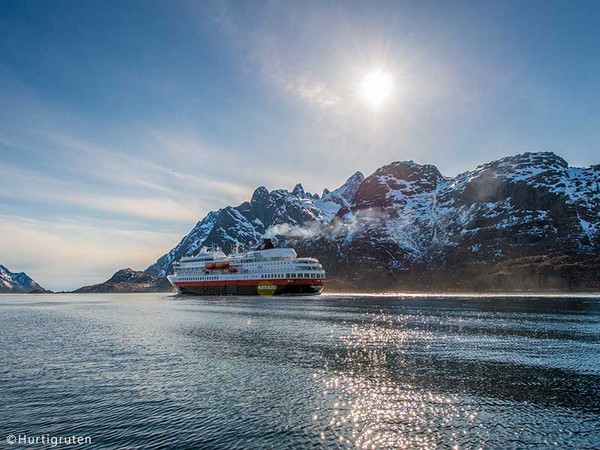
point(153, 372)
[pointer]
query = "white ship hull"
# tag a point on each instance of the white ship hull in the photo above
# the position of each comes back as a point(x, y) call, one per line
point(268, 271)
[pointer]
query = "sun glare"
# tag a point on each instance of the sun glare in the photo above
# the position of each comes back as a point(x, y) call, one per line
point(376, 88)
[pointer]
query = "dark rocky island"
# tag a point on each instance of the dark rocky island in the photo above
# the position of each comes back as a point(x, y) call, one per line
point(129, 280)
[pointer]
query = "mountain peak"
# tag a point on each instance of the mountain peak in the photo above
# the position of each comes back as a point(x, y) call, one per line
point(532, 159)
point(298, 191)
point(410, 170)
point(356, 177)
point(260, 192)
point(345, 193)
point(17, 281)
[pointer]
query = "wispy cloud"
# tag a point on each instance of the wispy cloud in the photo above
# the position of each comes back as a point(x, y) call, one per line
point(66, 194)
point(271, 55)
point(311, 90)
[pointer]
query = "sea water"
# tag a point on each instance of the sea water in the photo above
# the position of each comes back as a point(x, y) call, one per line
point(154, 371)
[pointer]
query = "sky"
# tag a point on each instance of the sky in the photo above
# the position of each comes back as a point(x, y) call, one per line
point(122, 123)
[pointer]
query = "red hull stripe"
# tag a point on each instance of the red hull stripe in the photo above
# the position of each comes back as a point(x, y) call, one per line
point(315, 282)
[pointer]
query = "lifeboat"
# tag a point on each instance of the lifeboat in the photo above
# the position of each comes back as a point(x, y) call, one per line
point(232, 270)
point(221, 265)
point(211, 266)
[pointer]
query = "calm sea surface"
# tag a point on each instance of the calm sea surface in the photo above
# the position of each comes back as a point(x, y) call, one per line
point(152, 371)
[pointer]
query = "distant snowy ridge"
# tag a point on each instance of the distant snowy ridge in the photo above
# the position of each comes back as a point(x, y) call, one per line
point(17, 282)
point(407, 223)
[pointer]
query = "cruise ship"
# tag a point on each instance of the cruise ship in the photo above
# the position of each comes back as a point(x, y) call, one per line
point(264, 271)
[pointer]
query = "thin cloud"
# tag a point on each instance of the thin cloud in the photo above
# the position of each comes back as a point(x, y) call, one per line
point(68, 254)
point(269, 55)
point(312, 91)
point(65, 193)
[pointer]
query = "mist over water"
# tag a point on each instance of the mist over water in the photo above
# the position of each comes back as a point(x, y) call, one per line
point(334, 371)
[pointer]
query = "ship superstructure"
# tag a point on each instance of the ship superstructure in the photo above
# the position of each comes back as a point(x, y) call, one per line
point(263, 271)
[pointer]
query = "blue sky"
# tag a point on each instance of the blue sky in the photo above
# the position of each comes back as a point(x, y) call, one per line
point(122, 123)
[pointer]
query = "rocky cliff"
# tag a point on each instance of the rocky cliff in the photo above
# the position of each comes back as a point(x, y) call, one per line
point(528, 221)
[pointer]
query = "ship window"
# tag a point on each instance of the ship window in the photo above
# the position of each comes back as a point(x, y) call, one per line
point(287, 275)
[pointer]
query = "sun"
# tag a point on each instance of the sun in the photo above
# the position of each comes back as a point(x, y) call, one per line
point(376, 88)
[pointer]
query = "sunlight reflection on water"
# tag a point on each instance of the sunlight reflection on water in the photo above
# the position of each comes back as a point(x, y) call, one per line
point(153, 372)
point(373, 404)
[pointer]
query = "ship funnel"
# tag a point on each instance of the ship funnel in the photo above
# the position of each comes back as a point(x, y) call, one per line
point(265, 245)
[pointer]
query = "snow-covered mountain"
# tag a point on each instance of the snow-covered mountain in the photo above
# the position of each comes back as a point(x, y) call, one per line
point(275, 213)
point(526, 221)
point(409, 225)
point(17, 282)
